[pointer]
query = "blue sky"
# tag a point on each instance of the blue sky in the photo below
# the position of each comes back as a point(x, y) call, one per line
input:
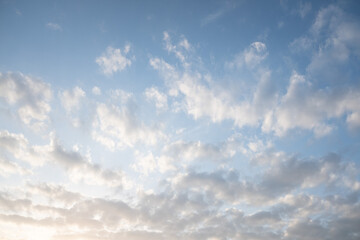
point(211, 120)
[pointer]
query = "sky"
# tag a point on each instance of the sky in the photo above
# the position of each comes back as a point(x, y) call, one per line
point(194, 120)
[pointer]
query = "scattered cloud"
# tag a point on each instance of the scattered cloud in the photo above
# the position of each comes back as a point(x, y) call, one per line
point(29, 96)
point(54, 26)
point(159, 98)
point(117, 127)
point(218, 159)
point(96, 90)
point(71, 100)
point(114, 60)
point(250, 57)
point(78, 167)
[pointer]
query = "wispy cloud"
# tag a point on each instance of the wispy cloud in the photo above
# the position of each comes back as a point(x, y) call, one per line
point(54, 26)
point(212, 17)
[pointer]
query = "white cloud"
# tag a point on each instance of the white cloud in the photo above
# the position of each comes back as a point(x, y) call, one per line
point(304, 9)
point(145, 164)
point(121, 95)
point(54, 26)
point(190, 151)
point(196, 200)
point(8, 167)
point(159, 98)
point(78, 167)
point(251, 57)
point(282, 176)
point(71, 100)
point(201, 100)
point(334, 38)
point(177, 49)
point(113, 60)
point(301, 107)
point(30, 96)
point(117, 127)
point(96, 90)
point(305, 107)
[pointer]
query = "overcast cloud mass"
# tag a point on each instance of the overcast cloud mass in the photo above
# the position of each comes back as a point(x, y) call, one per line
point(203, 120)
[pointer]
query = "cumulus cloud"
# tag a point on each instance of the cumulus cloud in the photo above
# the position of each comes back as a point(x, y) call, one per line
point(201, 201)
point(114, 60)
point(96, 90)
point(209, 100)
point(8, 167)
point(78, 167)
point(117, 127)
point(305, 107)
point(251, 56)
point(29, 96)
point(334, 38)
point(180, 155)
point(341, 41)
point(159, 98)
point(192, 185)
point(282, 177)
point(71, 99)
point(189, 151)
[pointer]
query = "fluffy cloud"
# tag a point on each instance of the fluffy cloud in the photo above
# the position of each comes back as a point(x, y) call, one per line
point(251, 56)
point(71, 99)
point(159, 98)
point(194, 185)
point(117, 127)
point(334, 38)
point(96, 90)
point(192, 207)
point(180, 154)
point(31, 97)
point(8, 167)
point(305, 107)
point(189, 151)
point(78, 167)
point(209, 100)
point(282, 177)
point(114, 60)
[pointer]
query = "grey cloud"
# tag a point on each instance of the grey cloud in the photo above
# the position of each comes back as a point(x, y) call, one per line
point(181, 213)
point(281, 178)
point(77, 166)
